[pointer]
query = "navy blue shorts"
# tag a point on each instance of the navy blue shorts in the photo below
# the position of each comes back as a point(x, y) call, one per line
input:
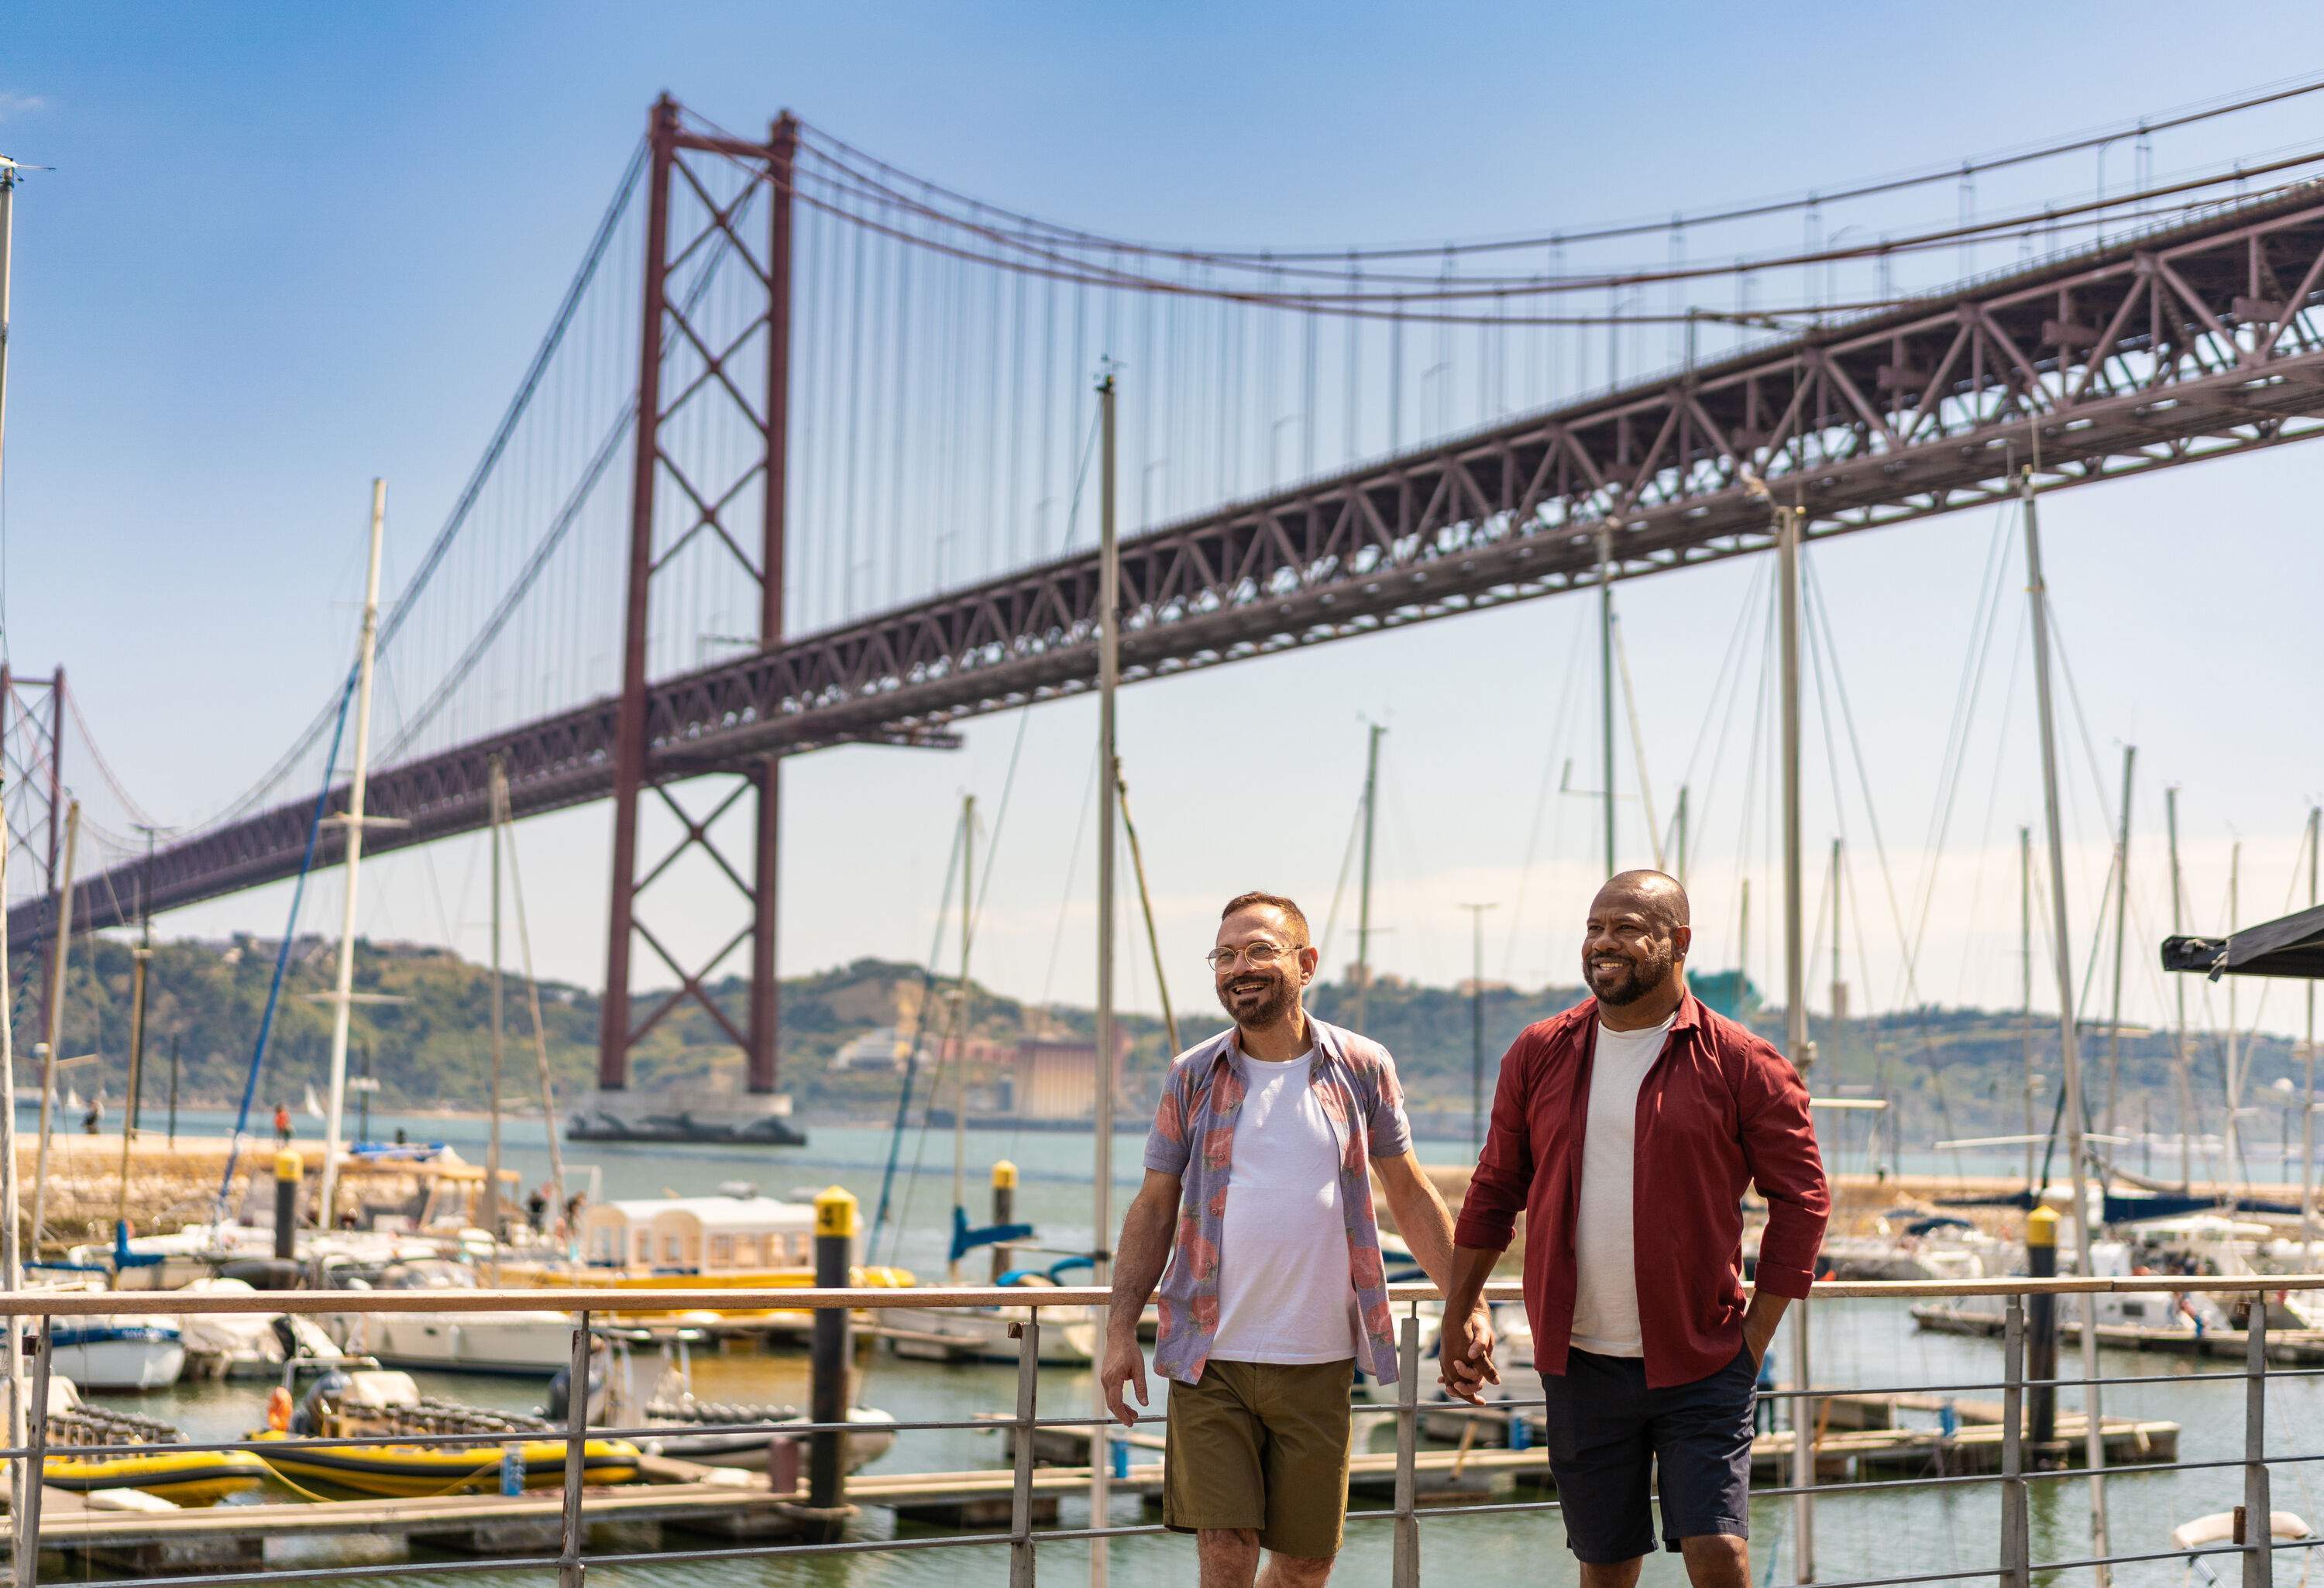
point(1608, 1435)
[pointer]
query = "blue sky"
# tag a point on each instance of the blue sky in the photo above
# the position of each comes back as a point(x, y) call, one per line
point(288, 247)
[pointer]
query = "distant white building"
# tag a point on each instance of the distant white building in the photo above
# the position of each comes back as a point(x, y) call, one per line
point(878, 1050)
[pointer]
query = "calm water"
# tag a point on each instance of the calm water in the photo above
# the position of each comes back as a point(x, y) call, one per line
point(1863, 1534)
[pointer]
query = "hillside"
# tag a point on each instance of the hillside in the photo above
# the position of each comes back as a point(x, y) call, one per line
point(1949, 1071)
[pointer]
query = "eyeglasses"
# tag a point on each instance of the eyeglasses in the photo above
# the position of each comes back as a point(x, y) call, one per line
point(1259, 954)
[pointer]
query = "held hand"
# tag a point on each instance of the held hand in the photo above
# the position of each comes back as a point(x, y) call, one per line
point(1757, 1335)
point(1465, 1357)
point(1123, 1377)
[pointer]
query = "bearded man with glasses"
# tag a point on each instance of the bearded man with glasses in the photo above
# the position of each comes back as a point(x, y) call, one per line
point(1258, 1199)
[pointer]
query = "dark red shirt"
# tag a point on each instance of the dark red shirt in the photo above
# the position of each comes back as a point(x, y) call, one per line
point(1720, 1109)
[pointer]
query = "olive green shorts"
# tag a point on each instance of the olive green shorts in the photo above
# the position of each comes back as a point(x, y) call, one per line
point(1262, 1445)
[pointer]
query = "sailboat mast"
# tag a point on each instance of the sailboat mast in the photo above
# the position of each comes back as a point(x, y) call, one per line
point(1364, 888)
point(55, 1055)
point(1109, 758)
point(1606, 681)
point(2180, 1067)
point(344, 987)
point(2026, 988)
point(2069, 1052)
point(960, 1018)
point(1788, 525)
point(2233, 1139)
point(498, 787)
point(2121, 920)
point(142, 954)
point(2307, 1070)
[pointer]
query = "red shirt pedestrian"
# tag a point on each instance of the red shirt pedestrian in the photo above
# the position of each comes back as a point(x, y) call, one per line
point(1720, 1110)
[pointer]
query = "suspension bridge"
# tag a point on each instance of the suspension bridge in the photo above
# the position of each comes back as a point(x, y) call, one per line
point(855, 410)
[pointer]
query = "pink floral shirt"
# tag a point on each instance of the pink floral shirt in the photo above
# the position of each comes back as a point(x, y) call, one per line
point(1354, 1080)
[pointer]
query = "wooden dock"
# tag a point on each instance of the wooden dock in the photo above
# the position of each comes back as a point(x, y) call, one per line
point(156, 1536)
point(2290, 1347)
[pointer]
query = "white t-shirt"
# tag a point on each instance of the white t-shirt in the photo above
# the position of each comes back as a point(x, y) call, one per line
point(1286, 1293)
point(1606, 1296)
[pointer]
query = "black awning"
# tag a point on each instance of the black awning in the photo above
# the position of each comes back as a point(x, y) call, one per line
point(2291, 946)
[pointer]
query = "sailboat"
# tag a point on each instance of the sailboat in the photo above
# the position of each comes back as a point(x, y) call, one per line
point(1068, 1337)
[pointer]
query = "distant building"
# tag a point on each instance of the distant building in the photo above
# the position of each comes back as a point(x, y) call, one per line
point(1056, 1078)
point(880, 1049)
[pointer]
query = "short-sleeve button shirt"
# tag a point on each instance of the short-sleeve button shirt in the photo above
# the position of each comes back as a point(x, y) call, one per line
point(1354, 1080)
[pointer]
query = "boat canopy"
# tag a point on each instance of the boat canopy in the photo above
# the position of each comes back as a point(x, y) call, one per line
point(2292, 946)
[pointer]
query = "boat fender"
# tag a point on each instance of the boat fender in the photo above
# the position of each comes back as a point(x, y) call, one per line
point(278, 1409)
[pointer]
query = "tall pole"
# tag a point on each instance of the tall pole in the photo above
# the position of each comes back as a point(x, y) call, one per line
point(1678, 849)
point(142, 954)
point(765, 1024)
point(960, 1016)
point(53, 945)
point(1606, 680)
point(62, 949)
point(614, 1033)
point(498, 787)
point(1109, 678)
point(12, 1255)
point(1839, 987)
point(2182, 1071)
point(2068, 1052)
point(1476, 1027)
point(343, 989)
point(1364, 890)
point(2121, 922)
point(7, 268)
point(2026, 991)
point(1795, 1008)
point(1743, 953)
point(2307, 1072)
point(2232, 1139)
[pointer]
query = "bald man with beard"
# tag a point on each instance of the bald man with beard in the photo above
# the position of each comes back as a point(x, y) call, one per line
point(1627, 1129)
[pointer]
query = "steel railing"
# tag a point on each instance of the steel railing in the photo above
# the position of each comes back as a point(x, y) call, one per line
point(2014, 1567)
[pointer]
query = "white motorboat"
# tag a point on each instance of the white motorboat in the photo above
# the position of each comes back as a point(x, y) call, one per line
point(982, 1333)
point(122, 1351)
point(528, 1344)
point(234, 1345)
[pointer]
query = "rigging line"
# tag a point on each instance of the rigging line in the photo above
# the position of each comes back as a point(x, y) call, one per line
point(1073, 870)
point(137, 813)
point(392, 622)
point(920, 1037)
point(282, 955)
point(1993, 785)
point(1819, 616)
point(1730, 679)
point(1966, 695)
point(1417, 288)
point(1638, 740)
point(2261, 95)
point(1024, 713)
point(1339, 888)
point(1543, 794)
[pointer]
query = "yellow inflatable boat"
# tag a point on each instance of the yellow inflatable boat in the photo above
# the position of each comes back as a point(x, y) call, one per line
point(184, 1477)
point(301, 1445)
point(417, 1472)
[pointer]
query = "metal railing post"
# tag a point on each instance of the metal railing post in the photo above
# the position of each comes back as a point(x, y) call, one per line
point(1804, 1461)
point(36, 1440)
point(2259, 1507)
point(570, 1572)
point(1020, 1486)
point(2016, 1535)
point(1407, 1568)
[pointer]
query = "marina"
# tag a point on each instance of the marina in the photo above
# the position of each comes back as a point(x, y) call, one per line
point(596, 1024)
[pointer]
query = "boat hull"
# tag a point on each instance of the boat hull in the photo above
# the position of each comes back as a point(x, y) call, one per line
point(105, 1355)
point(510, 1345)
point(409, 1472)
point(189, 1477)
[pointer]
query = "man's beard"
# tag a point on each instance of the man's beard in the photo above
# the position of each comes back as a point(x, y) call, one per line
point(1274, 1003)
point(1637, 981)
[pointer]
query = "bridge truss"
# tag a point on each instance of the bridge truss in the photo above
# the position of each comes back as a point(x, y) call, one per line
point(2199, 338)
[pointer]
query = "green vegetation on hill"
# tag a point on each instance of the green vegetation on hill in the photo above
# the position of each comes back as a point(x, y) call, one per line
point(1949, 1071)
